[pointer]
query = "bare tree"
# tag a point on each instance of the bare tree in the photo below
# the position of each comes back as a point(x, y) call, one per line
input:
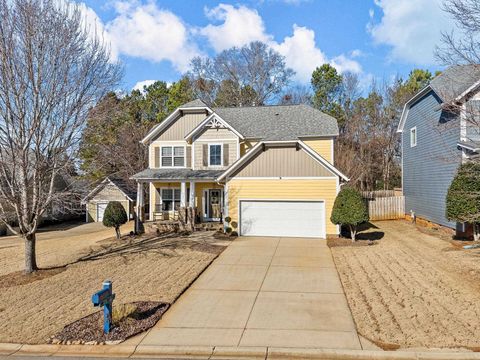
point(251, 75)
point(52, 71)
point(461, 46)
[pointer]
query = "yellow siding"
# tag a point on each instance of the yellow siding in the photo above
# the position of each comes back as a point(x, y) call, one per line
point(246, 146)
point(323, 147)
point(318, 189)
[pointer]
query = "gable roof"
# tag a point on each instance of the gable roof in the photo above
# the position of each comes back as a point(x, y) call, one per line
point(454, 84)
point(269, 123)
point(205, 122)
point(261, 144)
point(196, 104)
point(118, 183)
point(279, 122)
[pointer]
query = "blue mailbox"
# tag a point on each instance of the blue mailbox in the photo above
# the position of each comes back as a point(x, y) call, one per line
point(105, 298)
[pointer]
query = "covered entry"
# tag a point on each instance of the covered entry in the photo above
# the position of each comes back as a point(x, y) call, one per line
point(282, 218)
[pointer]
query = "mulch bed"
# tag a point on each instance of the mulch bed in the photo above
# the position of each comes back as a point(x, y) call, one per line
point(89, 330)
point(341, 241)
point(21, 278)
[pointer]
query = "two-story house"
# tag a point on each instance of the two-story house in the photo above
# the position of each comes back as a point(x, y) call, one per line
point(269, 168)
point(439, 130)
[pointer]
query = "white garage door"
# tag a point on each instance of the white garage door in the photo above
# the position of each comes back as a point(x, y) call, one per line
point(282, 218)
point(100, 210)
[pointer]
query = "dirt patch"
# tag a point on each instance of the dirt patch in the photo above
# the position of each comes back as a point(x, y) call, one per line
point(341, 241)
point(20, 278)
point(155, 269)
point(412, 289)
point(90, 328)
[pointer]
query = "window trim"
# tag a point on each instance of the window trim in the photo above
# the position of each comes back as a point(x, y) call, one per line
point(173, 198)
point(173, 156)
point(413, 130)
point(221, 154)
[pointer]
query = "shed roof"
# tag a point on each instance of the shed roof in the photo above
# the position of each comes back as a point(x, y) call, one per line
point(117, 182)
point(177, 174)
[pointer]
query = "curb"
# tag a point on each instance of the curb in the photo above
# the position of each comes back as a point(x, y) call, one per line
point(224, 353)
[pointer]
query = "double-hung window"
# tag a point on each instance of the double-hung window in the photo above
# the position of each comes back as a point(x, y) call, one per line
point(413, 136)
point(215, 155)
point(170, 199)
point(173, 156)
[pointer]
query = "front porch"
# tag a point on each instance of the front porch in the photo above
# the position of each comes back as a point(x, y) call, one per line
point(179, 196)
point(168, 198)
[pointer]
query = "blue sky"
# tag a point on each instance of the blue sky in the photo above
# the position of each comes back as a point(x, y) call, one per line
point(155, 39)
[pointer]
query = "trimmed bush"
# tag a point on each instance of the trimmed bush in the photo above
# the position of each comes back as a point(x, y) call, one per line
point(115, 216)
point(349, 210)
point(228, 219)
point(234, 224)
point(463, 197)
point(234, 233)
point(228, 230)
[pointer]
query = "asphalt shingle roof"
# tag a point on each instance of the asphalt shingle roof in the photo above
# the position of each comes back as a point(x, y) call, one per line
point(175, 174)
point(280, 122)
point(194, 103)
point(455, 80)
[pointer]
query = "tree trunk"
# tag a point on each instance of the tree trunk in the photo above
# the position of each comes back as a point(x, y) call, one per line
point(30, 254)
point(117, 231)
point(476, 231)
point(353, 232)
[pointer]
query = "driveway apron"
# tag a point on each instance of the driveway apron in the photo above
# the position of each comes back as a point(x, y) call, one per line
point(263, 291)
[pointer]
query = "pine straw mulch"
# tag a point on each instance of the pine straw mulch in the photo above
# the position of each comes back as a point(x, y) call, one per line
point(89, 330)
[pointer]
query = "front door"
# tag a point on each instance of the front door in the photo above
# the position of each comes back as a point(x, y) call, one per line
point(215, 204)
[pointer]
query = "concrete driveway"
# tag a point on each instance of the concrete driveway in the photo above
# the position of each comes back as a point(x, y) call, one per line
point(275, 292)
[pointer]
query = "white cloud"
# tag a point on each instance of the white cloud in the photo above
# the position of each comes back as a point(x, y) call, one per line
point(141, 84)
point(303, 56)
point(96, 29)
point(411, 28)
point(148, 32)
point(240, 26)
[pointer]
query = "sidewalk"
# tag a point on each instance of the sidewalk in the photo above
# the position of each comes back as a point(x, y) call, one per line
point(225, 353)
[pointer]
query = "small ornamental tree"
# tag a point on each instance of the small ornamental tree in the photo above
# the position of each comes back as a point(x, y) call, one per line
point(463, 197)
point(350, 210)
point(115, 216)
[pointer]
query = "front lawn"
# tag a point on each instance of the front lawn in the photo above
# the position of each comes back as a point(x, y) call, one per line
point(412, 289)
point(142, 269)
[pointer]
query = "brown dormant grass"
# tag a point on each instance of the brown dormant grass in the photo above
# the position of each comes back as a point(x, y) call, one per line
point(148, 269)
point(412, 289)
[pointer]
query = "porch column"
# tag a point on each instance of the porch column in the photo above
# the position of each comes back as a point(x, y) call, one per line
point(183, 194)
point(139, 216)
point(192, 194)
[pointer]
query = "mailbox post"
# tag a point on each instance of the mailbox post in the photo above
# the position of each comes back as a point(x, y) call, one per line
point(105, 298)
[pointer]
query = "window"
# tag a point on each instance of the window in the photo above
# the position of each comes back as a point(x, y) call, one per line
point(214, 155)
point(170, 199)
point(173, 156)
point(413, 136)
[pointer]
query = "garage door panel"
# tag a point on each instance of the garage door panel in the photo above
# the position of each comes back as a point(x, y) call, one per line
point(101, 210)
point(282, 218)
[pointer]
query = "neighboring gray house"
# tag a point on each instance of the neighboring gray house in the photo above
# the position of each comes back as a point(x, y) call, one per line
point(439, 131)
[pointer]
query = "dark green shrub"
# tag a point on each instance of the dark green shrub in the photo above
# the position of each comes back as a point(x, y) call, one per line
point(234, 224)
point(463, 197)
point(234, 233)
point(350, 210)
point(228, 219)
point(115, 216)
point(228, 230)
